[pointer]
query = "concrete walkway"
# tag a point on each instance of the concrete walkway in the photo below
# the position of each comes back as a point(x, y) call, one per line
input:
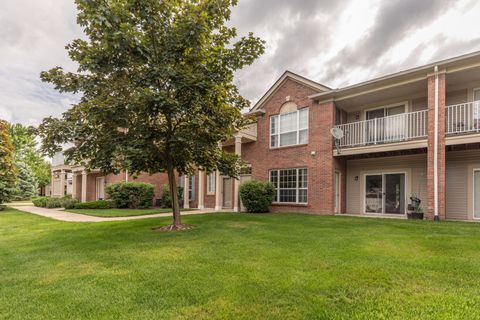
point(59, 214)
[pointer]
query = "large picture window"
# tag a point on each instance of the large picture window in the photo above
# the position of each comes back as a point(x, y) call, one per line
point(291, 185)
point(289, 129)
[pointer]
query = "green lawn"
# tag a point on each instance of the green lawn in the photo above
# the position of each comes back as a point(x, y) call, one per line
point(236, 266)
point(121, 212)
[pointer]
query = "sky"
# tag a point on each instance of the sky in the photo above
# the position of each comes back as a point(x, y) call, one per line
point(336, 43)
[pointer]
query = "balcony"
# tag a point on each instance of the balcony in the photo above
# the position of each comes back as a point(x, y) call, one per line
point(463, 123)
point(463, 118)
point(372, 135)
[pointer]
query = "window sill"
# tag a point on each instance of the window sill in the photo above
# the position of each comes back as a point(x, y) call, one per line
point(290, 204)
point(287, 147)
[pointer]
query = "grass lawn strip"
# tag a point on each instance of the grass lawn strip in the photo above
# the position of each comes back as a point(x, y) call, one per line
point(239, 266)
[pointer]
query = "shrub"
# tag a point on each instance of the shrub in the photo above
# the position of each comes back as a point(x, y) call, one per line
point(69, 203)
point(99, 204)
point(54, 203)
point(257, 196)
point(166, 200)
point(40, 202)
point(131, 194)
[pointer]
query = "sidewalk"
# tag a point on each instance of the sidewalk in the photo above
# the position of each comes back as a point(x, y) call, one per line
point(59, 214)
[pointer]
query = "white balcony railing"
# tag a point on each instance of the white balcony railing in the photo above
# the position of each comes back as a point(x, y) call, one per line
point(463, 118)
point(401, 127)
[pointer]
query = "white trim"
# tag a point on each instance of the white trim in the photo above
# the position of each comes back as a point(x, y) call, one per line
point(473, 193)
point(383, 173)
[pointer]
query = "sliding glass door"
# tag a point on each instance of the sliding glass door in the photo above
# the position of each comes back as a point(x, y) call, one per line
point(385, 193)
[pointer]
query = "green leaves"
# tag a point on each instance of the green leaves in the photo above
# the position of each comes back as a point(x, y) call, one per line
point(162, 69)
point(7, 167)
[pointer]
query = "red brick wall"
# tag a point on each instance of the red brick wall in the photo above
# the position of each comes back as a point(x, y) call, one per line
point(441, 146)
point(320, 166)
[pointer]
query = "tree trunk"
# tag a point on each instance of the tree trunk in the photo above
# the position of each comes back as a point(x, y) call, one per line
point(177, 221)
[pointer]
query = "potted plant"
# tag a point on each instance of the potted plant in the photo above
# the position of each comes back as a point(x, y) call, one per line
point(417, 214)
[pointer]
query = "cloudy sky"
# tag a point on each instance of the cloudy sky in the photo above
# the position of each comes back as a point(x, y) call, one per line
point(332, 42)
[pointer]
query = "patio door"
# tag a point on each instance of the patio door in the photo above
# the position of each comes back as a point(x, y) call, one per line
point(385, 193)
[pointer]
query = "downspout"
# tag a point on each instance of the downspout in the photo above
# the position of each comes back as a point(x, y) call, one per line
point(435, 150)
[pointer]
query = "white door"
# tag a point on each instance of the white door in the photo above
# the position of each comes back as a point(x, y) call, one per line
point(337, 192)
point(476, 194)
point(100, 188)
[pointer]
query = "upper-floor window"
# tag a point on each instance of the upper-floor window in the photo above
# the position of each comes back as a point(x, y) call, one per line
point(476, 94)
point(289, 128)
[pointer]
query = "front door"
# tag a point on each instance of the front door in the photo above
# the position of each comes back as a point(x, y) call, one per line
point(227, 193)
point(337, 192)
point(476, 194)
point(100, 188)
point(385, 193)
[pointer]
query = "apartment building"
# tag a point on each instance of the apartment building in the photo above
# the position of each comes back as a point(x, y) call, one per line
point(412, 133)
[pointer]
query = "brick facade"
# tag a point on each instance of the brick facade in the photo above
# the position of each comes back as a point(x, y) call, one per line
point(441, 147)
point(316, 156)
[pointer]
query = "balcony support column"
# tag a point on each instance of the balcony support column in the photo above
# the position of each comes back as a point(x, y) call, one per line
point(436, 146)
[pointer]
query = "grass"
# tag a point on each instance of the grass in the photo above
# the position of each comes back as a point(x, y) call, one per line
point(235, 266)
point(114, 212)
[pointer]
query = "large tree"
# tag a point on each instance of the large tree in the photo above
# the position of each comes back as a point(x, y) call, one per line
point(7, 168)
point(156, 85)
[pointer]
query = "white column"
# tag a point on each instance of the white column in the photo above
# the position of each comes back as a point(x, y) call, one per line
point(186, 186)
point(84, 186)
point(201, 189)
point(218, 191)
point(62, 183)
point(74, 185)
point(236, 182)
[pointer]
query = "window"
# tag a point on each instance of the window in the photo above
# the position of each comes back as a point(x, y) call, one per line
point(211, 183)
point(291, 185)
point(191, 186)
point(476, 95)
point(289, 129)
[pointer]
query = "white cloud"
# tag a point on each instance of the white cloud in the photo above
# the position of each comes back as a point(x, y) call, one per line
point(333, 42)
